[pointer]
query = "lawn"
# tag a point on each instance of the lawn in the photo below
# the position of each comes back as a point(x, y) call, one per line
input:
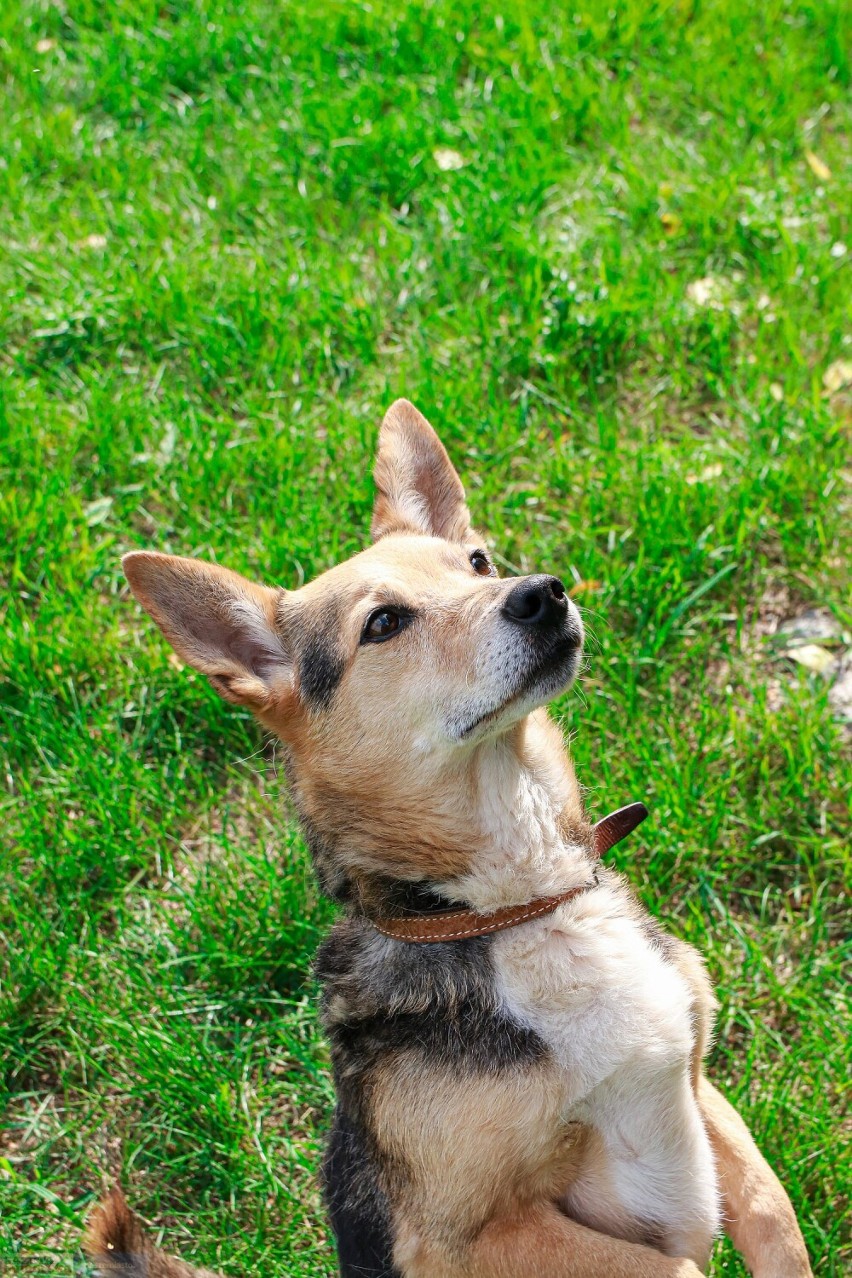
point(606, 252)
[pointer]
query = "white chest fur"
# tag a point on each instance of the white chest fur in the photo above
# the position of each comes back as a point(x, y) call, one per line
point(617, 1019)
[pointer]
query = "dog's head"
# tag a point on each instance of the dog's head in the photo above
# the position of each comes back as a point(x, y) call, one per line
point(387, 672)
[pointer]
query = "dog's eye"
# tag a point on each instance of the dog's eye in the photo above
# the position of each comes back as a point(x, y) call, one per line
point(381, 624)
point(481, 564)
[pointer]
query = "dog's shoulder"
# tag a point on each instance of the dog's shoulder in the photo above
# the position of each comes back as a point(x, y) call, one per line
point(673, 949)
point(382, 998)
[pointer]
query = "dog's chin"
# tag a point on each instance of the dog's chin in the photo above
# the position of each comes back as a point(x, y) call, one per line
point(542, 684)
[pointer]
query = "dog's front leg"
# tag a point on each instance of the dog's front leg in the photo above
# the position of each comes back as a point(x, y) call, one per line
point(475, 1168)
point(759, 1216)
point(538, 1242)
point(544, 1243)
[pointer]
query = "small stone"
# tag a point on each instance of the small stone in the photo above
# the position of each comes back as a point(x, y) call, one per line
point(447, 159)
point(816, 625)
point(840, 693)
point(812, 657)
point(837, 375)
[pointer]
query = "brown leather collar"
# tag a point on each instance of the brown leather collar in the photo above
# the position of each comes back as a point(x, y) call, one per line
point(457, 925)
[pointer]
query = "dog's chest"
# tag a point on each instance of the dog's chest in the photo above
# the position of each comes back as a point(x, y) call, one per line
point(597, 990)
point(616, 1016)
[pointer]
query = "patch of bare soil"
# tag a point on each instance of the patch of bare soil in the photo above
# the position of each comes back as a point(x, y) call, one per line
point(783, 636)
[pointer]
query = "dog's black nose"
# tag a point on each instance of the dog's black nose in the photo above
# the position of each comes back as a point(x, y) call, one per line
point(537, 601)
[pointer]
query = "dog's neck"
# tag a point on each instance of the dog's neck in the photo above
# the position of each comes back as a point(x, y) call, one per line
point(519, 819)
point(534, 841)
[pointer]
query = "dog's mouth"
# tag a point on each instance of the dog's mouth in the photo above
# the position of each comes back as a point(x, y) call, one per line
point(553, 673)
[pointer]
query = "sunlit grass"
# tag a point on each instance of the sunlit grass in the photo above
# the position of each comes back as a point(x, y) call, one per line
point(231, 234)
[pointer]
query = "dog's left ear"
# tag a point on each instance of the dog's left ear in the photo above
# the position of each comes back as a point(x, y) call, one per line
point(418, 489)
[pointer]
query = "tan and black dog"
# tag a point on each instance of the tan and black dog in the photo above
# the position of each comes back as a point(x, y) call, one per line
point(517, 1045)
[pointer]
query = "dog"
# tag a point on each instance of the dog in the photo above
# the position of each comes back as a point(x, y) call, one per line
point(517, 1045)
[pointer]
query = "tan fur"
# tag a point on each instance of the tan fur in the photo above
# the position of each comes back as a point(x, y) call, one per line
point(218, 622)
point(540, 1242)
point(118, 1245)
point(398, 786)
point(517, 1155)
point(417, 487)
point(758, 1215)
point(518, 1151)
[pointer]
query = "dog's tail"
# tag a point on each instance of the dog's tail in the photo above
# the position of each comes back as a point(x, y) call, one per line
point(119, 1247)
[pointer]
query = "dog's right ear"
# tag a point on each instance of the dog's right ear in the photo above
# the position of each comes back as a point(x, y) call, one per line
point(218, 622)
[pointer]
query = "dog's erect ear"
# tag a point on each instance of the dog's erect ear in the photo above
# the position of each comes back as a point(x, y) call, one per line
point(417, 488)
point(217, 622)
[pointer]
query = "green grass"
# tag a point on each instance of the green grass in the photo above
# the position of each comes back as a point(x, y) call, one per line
point(225, 246)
